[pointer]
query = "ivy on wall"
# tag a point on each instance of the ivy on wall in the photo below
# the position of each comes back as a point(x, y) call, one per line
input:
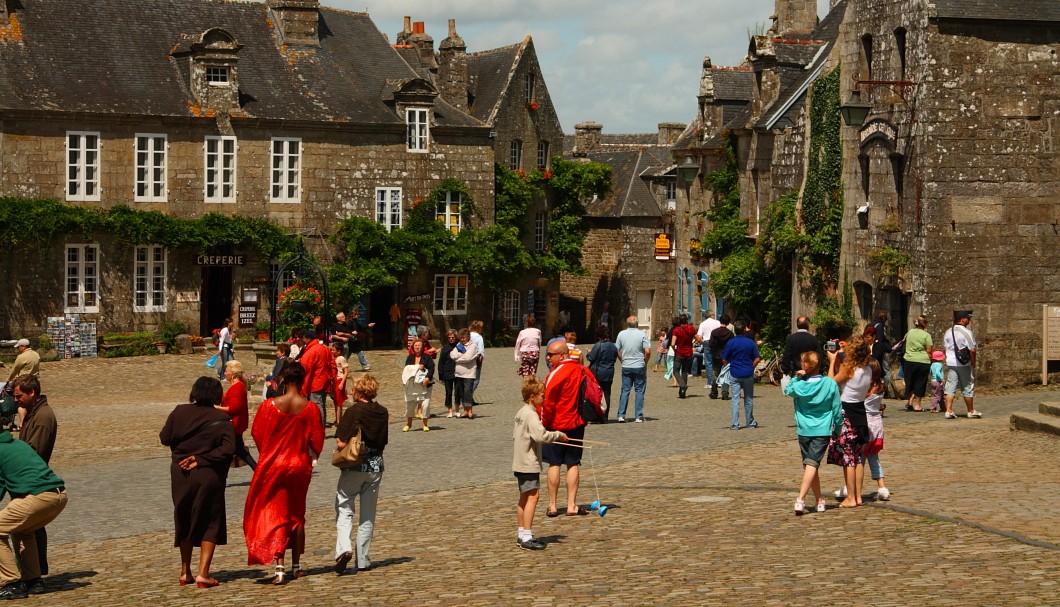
point(25, 222)
point(756, 279)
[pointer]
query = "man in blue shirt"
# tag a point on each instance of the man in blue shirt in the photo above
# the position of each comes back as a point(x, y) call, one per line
point(741, 354)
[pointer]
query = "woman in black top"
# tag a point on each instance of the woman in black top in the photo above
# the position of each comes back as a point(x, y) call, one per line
point(370, 418)
point(447, 373)
point(602, 359)
point(203, 441)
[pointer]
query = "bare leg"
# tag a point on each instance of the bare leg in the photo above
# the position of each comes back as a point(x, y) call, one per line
point(205, 559)
point(185, 562)
point(815, 485)
point(968, 403)
point(859, 479)
point(527, 505)
point(572, 488)
point(849, 473)
point(809, 475)
point(949, 402)
point(553, 487)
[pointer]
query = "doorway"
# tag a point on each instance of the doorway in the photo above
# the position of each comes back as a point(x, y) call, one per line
point(216, 298)
point(645, 300)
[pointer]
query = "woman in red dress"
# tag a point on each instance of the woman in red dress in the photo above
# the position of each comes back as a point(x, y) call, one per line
point(289, 437)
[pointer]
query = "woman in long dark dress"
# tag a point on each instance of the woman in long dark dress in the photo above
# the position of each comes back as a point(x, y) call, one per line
point(202, 440)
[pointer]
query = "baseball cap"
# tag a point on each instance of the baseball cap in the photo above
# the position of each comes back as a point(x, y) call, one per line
point(22, 342)
point(938, 355)
point(959, 314)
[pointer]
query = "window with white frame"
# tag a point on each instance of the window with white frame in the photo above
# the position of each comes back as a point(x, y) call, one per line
point(217, 76)
point(515, 154)
point(82, 166)
point(149, 279)
point(417, 130)
point(542, 154)
point(287, 280)
point(150, 168)
point(388, 207)
point(286, 170)
point(671, 195)
point(449, 211)
point(510, 307)
point(450, 294)
point(530, 86)
point(539, 231)
point(82, 278)
point(220, 164)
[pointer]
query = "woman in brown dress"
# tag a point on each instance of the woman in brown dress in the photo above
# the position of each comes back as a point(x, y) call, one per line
point(202, 440)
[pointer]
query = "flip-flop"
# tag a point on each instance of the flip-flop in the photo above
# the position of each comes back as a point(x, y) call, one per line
point(552, 513)
point(580, 512)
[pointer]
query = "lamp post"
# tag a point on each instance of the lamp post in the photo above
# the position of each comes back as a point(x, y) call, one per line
point(855, 111)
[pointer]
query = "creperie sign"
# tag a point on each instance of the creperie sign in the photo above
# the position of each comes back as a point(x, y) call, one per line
point(220, 260)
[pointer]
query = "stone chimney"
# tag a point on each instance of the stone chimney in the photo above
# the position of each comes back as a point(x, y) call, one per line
point(403, 35)
point(670, 131)
point(795, 17)
point(296, 21)
point(763, 59)
point(586, 137)
point(424, 45)
point(452, 69)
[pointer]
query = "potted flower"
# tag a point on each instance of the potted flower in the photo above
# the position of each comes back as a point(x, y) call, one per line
point(532, 106)
point(298, 304)
point(263, 328)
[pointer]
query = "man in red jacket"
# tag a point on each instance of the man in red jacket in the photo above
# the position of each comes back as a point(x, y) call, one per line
point(320, 372)
point(560, 412)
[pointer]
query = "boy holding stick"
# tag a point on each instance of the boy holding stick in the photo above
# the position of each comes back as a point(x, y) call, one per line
point(526, 464)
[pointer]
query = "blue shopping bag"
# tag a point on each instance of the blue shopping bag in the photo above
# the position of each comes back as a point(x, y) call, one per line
point(212, 361)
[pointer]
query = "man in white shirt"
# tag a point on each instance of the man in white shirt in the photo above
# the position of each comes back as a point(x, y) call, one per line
point(960, 375)
point(709, 324)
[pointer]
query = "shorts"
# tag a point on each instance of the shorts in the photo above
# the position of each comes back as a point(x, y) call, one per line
point(528, 481)
point(960, 378)
point(417, 408)
point(562, 455)
point(813, 448)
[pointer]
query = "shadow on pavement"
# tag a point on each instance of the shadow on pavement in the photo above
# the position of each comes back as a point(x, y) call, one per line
point(63, 582)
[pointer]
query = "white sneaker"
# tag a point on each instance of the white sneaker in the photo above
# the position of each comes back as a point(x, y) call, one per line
point(974, 414)
point(841, 493)
point(800, 508)
point(951, 415)
point(621, 420)
point(883, 493)
point(821, 506)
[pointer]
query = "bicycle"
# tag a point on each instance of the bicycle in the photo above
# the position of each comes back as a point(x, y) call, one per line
point(769, 370)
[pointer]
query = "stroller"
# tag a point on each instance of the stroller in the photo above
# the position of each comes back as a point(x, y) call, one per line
point(8, 407)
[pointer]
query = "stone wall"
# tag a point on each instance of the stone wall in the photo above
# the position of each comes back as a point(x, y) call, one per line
point(976, 202)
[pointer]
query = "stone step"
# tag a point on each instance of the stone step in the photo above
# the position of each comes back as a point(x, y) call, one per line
point(1052, 408)
point(1035, 422)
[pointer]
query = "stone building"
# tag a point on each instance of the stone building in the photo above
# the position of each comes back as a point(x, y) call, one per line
point(284, 109)
point(504, 88)
point(956, 166)
point(949, 176)
point(624, 269)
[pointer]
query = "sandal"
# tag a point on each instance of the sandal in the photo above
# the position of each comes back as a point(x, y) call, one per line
point(278, 578)
point(552, 513)
point(297, 572)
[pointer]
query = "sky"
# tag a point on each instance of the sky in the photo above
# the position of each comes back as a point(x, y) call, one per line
point(627, 64)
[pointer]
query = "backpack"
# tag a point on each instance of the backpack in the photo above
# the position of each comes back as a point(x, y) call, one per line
point(590, 399)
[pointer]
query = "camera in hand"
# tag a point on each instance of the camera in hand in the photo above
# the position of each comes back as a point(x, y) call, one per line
point(831, 346)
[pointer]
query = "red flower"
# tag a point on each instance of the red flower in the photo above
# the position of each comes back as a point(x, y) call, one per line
point(521, 173)
point(546, 175)
point(532, 105)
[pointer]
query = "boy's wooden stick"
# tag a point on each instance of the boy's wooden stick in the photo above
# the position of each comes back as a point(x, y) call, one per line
point(572, 445)
point(590, 442)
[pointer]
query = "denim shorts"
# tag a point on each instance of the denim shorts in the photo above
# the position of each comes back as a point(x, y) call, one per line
point(813, 448)
point(528, 481)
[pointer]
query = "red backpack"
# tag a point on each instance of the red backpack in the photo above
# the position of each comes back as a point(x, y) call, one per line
point(590, 399)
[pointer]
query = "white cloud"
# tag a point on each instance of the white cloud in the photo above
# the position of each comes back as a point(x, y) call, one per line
point(627, 64)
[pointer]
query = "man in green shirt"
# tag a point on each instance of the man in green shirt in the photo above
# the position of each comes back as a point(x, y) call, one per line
point(37, 497)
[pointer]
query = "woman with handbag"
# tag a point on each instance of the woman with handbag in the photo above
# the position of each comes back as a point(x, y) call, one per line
point(916, 364)
point(447, 373)
point(290, 436)
point(368, 420)
point(202, 442)
point(234, 404)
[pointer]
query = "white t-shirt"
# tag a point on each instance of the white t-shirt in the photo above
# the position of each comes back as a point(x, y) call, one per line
point(965, 339)
point(705, 327)
point(856, 388)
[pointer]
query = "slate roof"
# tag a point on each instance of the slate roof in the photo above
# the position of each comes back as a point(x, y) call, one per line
point(631, 196)
point(114, 57)
point(999, 10)
point(613, 142)
point(733, 84)
point(795, 81)
point(490, 72)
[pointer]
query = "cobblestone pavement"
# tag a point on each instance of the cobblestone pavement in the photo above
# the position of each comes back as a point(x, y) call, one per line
point(699, 514)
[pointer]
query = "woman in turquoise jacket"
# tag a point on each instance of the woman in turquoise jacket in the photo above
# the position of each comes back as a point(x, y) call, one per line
point(818, 414)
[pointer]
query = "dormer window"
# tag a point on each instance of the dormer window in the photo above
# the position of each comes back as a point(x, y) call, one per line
point(217, 76)
point(417, 128)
